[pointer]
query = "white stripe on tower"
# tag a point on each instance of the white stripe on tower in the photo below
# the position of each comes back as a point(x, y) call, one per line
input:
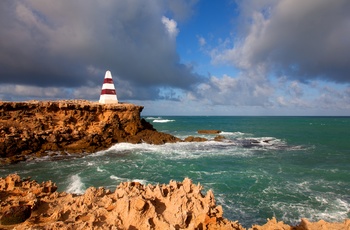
point(108, 93)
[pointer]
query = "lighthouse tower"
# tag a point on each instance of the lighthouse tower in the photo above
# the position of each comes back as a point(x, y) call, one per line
point(108, 93)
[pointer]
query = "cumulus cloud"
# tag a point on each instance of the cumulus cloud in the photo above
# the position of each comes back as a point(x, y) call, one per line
point(47, 43)
point(302, 40)
point(171, 26)
point(243, 90)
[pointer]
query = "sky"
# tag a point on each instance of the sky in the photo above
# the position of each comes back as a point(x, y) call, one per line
point(181, 57)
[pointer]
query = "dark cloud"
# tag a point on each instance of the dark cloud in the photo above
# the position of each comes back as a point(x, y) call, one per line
point(303, 40)
point(71, 44)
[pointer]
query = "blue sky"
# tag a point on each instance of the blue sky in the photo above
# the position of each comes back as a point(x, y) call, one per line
point(183, 57)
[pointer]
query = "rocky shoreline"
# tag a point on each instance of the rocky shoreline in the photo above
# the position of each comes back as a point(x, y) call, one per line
point(178, 205)
point(39, 128)
point(36, 128)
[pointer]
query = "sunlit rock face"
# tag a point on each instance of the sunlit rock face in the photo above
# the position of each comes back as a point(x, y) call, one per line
point(177, 205)
point(35, 128)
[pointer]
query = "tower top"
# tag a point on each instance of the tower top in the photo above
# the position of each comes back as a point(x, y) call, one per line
point(108, 92)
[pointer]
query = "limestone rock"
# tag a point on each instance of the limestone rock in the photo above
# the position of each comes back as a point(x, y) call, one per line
point(177, 205)
point(75, 126)
point(15, 215)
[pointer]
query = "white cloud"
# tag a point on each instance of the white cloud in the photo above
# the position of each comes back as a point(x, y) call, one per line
point(171, 26)
point(300, 39)
point(47, 43)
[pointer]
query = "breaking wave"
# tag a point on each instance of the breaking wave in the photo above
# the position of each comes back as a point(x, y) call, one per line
point(75, 185)
point(163, 120)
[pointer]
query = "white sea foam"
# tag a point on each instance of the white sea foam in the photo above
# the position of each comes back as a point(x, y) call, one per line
point(116, 178)
point(162, 120)
point(180, 150)
point(233, 133)
point(75, 185)
point(144, 182)
point(100, 170)
point(141, 181)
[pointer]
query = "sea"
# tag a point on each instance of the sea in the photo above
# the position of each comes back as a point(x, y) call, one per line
point(284, 167)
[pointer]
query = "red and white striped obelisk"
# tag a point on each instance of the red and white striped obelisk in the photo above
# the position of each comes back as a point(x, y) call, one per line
point(108, 93)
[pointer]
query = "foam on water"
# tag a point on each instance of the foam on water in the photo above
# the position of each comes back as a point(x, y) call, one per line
point(266, 169)
point(100, 170)
point(75, 185)
point(113, 177)
point(192, 150)
point(144, 182)
point(163, 121)
point(235, 134)
point(120, 179)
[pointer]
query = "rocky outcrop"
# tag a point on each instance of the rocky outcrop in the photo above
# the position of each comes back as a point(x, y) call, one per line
point(177, 205)
point(131, 206)
point(35, 128)
point(209, 131)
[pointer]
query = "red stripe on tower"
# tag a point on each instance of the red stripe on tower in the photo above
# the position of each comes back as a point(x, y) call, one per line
point(108, 80)
point(108, 92)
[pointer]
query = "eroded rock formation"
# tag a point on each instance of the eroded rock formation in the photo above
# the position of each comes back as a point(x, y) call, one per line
point(177, 205)
point(33, 128)
point(131, 206)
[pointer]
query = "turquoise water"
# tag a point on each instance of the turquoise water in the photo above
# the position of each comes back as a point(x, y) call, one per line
point(287, 167)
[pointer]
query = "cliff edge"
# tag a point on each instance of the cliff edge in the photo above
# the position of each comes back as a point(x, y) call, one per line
point(36, 128)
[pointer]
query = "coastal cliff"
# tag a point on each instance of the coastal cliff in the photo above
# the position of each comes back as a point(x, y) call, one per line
point(178, 205)
point(36, 128)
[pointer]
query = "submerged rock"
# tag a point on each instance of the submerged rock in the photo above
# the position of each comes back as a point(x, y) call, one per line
point(210, 131)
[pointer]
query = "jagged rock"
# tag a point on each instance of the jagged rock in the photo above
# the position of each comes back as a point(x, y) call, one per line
point(219, 138)
point(178, 205)
point(27, 204)
point(195, 139)
point(15, 215)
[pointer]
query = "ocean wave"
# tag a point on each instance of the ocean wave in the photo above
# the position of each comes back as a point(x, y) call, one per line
point(75, 185)
point(163, 120)
point(113, 177)
point(234, 133)
point(238, 146)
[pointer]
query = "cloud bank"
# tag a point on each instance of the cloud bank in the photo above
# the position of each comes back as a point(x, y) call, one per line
point(287, 51)
point(285, 55)
point(302, 40)
point(70, 44)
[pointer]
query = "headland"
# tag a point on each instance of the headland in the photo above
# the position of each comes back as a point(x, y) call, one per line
point(38, 128)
